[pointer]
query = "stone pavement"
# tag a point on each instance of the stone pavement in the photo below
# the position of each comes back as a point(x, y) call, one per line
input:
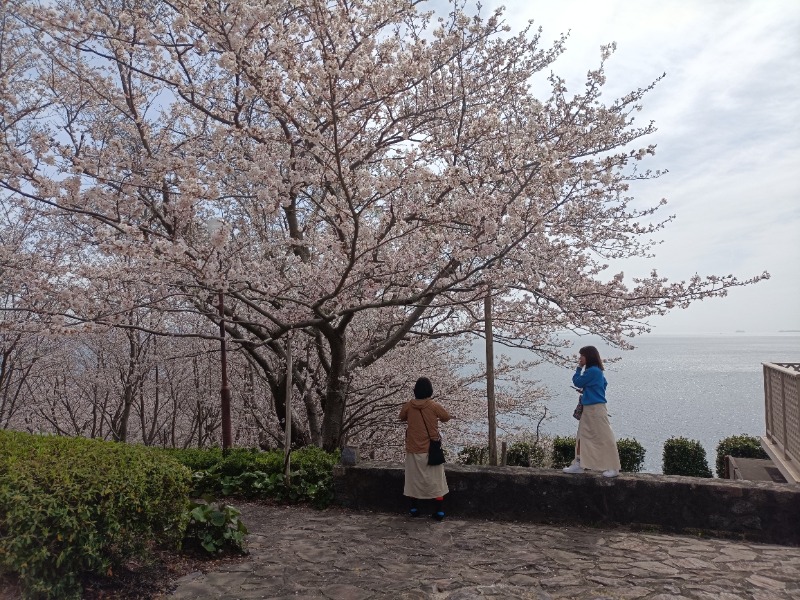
point(298, 552)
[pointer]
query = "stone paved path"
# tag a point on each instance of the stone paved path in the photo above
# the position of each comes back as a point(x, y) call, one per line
point(298, 552)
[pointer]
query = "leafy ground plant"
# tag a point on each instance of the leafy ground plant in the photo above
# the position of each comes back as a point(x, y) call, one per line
point(214, 529)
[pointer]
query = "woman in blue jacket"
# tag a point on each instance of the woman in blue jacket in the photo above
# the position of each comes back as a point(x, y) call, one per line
point(595, 445)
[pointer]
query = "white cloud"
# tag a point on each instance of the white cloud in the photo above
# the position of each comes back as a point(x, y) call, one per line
point(728, 117)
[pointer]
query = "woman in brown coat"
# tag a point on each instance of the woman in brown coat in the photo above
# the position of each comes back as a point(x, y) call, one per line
point(423, 481)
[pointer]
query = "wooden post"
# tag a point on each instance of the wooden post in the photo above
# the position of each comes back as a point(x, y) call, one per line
point(785, 441)
point(768, 402)
point(287, 436)
point(487, 316)
point(503, 453)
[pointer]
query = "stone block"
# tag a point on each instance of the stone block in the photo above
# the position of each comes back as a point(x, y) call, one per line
point(350, 456)
point(759, 511)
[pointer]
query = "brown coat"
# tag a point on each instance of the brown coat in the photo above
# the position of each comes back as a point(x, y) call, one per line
point(419, 414)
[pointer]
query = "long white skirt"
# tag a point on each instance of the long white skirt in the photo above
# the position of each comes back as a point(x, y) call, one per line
point(423, 481)
point(598, 446)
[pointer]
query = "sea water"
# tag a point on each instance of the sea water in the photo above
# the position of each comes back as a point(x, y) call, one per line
point(701, 387)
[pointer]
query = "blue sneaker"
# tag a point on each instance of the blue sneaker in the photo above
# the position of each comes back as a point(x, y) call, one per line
point(414, 512)
point(439, 516)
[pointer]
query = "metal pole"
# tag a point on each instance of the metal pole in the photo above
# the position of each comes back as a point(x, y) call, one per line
point(225, 391)
point(287, 436)
point(487, 310)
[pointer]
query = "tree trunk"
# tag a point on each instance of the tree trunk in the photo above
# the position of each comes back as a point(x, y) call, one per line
point(120, 433)
point(314, 427)
point(335, 394)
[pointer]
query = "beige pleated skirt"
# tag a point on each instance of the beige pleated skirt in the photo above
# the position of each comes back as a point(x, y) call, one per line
point(598, 445)
point(423, 481)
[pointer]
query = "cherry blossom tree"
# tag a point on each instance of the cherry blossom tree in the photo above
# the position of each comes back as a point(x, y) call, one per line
point(377, 169)
point(20, 375)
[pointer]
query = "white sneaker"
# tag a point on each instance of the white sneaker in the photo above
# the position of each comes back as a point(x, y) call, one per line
point(573, 468)
point(610, 473)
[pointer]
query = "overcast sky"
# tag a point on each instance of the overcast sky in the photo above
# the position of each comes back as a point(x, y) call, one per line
point(727, 116)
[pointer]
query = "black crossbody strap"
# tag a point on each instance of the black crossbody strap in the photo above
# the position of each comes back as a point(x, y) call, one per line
point(423, 422)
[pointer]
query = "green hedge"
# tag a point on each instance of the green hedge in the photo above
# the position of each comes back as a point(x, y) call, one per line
point(196, 459)
point(235, 462)
point(241, 460)
point(473, 455)
point(685, 457)
point(519, 454)
point(71, 507)
point(247, 473)
point(563, 451)
point(739, 446)
point(525, 454)
point(631, 455)
point(312, 476)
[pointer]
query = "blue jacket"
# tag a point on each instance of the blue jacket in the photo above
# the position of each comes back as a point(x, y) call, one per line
point(593, 383)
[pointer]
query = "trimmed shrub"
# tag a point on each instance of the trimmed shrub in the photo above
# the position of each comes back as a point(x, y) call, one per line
point(245, 473)
point(71, 507)
point(241, 460)
point(631, 455)
point(563, 451)
point(473, 455)
point(685, 457)
point(237, 460)
point(272, 461)
point(196, 459)
point(525, 454)
point(312, 481)
point(738, 446)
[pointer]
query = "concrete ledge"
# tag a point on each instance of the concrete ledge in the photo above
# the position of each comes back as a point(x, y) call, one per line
point(788, 467)
point(752, 469)
point(758, 511)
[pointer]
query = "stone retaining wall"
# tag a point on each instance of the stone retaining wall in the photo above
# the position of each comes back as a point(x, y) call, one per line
point(758, 511)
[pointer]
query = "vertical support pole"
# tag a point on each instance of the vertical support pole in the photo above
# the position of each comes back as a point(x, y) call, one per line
point(225, 390)
point(785, 405)
point(767, 402)
point(287, 436)
point(487, 312)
